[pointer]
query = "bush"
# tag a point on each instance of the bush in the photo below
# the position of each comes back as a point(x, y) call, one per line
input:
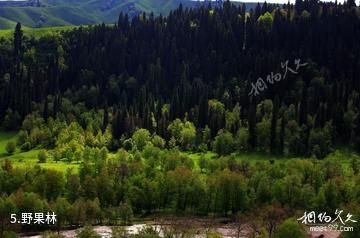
point(158, 142)
point(320, 142)
point(10, 147)
point(119, 232)
point(126, 213)
point(87, 232)
point(140, 138)
point(290, 228)
point(224, 143)
point(26, 146)
point(147, 232)
point(42, 156)
point(52, 235)
point(22, 138)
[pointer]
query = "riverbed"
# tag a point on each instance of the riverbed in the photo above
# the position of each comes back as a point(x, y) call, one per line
point(197, 227)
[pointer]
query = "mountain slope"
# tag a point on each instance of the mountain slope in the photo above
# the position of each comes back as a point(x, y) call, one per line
point(6, 24)
point(79, 12)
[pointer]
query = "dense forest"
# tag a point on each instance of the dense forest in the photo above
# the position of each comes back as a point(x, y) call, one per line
point(129, 102)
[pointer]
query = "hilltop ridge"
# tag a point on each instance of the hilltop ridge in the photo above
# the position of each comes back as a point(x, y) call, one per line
point(45, 13)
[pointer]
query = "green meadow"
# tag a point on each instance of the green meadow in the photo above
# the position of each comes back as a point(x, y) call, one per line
point(29, 158)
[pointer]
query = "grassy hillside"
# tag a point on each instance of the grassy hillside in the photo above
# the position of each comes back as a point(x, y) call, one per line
point(6, 24)
point(82, 12)
point(52, 16)
point(59, 13)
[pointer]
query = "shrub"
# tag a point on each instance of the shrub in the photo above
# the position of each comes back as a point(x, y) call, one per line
point(10, 147)
point(26, 146)
point(52, 235)
point(42, 156)
point(126, 213)
point(290, 228)
point(22, 137)
point(224, 143)
point(87, 232)
point(140, 138)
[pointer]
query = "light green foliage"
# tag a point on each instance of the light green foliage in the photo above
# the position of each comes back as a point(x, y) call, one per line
point(34, 132)
point(172, 143)
point(183, 132)
point(217, 106)
point(266, 21)
point(141, 137)
point(290, 228)
point(158, 141)
point(73, 132)
point(70, 142)
point(232, 119)
point(188, 135)
point(175, 129)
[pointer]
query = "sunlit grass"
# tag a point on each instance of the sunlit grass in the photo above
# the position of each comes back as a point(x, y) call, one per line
point(29, 159)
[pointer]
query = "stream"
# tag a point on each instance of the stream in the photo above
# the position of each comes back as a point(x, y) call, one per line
point(199, 228)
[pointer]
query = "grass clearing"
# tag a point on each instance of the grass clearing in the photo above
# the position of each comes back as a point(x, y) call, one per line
point(29, 159)
point(342, 155)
